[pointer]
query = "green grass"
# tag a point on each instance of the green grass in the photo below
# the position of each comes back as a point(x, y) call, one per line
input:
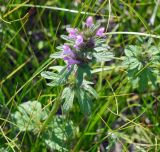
point(120, 116)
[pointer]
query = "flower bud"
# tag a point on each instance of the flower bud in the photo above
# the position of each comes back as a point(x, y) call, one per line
point(89, 21)
point(100, 31)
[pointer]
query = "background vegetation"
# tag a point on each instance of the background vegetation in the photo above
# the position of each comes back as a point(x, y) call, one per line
point(122, 119)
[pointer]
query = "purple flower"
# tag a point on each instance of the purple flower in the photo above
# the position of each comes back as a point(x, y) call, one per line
point(89, 21)
point(69, 56)
point(71, 61)
point(67, 51)
point(72, 32)
point(79, 40)
point(100, 31)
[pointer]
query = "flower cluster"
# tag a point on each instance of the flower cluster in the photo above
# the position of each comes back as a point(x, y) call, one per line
point(81, 43)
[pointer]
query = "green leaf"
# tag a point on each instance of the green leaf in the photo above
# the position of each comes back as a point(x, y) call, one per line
point(59, 48)
point(103, 56)
point(61, 77)
point(99, 41)
point(84, 101)
point(68, 95)
point(56, 55)
point(64, 74)
point(132, 72)
point(57, 68)
point(133, 63)
point(65, 37)
point(49, 75)
point(29, 116)
point(99, 49)
point(81, 71)
point(143, 81)
point(91, 90)
point(129, 52)
point(152, 77)
point(59, 133)
point(132, 51)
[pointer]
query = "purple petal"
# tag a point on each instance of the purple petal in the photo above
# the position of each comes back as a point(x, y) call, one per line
point(71, 61)
point(100, 31)
point(67, 51)
point(89, 21)
point(76, 46)
point(66, 47)
point(72, 32)
point(66, 58)
point(79, 40)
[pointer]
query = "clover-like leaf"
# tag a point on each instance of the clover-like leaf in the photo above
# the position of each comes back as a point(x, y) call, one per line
point(29, 116)
point(141, 61)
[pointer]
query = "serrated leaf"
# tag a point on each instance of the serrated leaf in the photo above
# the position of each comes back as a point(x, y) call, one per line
point(57, 68)
point(81, 71)
point(49, 75)
point(59, 48)
point(91, 90)
point(62, 77)
point(84, 101)
point(64, 74)
point(65, 92)
point(68, 95)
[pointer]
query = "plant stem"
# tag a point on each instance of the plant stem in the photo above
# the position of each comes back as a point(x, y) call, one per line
point(52, 113)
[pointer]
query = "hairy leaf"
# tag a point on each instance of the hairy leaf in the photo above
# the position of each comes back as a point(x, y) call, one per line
point(68, 95)
point(84, 101)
